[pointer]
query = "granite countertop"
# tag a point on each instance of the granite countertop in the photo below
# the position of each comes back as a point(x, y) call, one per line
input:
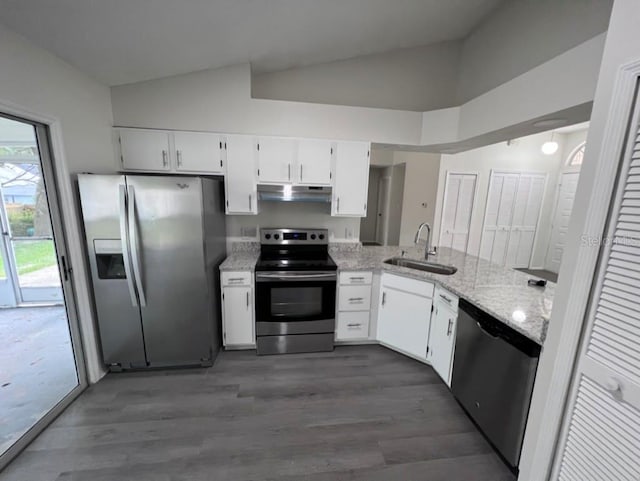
point(499, 291)
point(244, 256)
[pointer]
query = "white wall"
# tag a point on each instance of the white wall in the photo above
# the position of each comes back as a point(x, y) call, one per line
point(36, 84)
point(523, 155)
point(422, 78)
point(420, 187)
point(522, 34)
point(219, 100)
point(294, 214)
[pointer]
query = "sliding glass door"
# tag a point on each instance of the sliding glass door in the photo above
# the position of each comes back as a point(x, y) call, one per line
point(41, 363)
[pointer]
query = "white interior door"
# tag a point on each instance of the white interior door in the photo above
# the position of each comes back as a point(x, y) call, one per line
point(601, 435)
point(526, 212)
point(458, 206)
point(561, 217)
point(498, 216)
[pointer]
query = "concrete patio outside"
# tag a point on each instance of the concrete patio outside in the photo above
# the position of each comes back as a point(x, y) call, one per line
point(38, 367)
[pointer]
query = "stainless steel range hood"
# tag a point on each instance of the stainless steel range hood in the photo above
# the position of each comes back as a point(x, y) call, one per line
point(294, 193)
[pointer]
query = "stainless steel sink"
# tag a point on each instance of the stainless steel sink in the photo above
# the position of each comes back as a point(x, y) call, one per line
point(422, 265)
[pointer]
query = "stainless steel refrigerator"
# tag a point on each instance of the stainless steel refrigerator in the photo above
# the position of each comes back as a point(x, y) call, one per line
point(154, 246)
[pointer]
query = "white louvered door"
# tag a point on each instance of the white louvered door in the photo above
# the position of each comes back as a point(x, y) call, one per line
point(456, 214)
point(526, 212)
point(601, 437)
point(498, 215)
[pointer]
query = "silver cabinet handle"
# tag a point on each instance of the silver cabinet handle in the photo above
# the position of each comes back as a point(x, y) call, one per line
point(250, 203)
point(354, 325)
point(357, 278)
point(247, 299)
point(179, 157)
point(124, 239)
point(236, 279)
point(355, 299)
point(450, 327)
point(165, 159)
point(384, 298)
point(446, 298)
point(338, 206)
point(300, 172)
point(289, 170)
point(133, 235)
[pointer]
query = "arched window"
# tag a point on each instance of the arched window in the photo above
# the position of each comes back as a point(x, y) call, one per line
point(576, 156)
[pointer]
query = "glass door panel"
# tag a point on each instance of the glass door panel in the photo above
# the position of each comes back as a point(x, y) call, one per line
point(39, 372)
point(31, 238)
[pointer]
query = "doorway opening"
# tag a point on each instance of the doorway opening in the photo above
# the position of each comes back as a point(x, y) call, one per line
point(40, 357)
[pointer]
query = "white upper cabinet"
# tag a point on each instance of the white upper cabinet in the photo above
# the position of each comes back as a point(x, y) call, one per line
point(351, 179)
point(276, 160)
point(240, 178)
point(144, 150)
point(199, 152)
point(314, 162)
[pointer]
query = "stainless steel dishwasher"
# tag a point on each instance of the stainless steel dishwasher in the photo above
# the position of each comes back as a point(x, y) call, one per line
point(494, 369)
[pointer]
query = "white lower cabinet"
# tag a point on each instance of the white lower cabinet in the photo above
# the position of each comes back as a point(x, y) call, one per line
point(443, 334)
point(404, 314)
point(353, 326)
point(237, 311)
point(354, 306)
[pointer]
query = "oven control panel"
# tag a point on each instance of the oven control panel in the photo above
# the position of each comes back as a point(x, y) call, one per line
point(294, 236)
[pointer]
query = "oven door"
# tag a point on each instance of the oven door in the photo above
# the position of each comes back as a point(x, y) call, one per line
point(295, 302)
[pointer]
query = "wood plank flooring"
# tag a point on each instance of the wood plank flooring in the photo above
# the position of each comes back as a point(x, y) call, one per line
point(358, 413)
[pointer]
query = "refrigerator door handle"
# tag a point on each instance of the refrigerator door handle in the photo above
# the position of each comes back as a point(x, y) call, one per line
point(133, 237)
point(124, 239)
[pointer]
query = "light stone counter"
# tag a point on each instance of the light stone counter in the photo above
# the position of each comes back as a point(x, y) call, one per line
point(244, 256)
point(499, 291)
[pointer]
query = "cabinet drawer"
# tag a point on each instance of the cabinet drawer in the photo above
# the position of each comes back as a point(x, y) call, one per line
point(356, 277)
point(446, 298)
point(354, 298)
point(405, 284)
point(352, 325)
point(236, 278)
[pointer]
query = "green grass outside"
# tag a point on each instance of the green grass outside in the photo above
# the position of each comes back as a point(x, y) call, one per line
point(31, 256)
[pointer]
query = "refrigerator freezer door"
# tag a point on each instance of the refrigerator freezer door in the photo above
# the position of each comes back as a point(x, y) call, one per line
point(169, 248)
point(118, 314)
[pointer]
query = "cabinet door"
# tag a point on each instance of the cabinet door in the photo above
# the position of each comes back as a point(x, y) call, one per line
point(403, 321)
point(144, 150)
point(240, 180)
point(276, 160)
point(198, 152)
point(314, 162)
point(442, 341)
point(351, 181)
point(238, 316)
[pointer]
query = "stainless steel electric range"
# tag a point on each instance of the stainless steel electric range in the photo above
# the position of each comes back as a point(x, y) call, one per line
point(295, 292)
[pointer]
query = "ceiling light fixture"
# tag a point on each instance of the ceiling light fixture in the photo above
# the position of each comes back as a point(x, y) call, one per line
point(550, 147)
point(550, 123)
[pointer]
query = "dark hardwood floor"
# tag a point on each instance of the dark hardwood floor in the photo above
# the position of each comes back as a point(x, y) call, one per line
point(359, 413)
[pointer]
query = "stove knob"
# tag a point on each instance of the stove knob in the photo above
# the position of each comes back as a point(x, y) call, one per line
point(267, 236)
point(321, 236)
point(313, 237)
point(276, 236)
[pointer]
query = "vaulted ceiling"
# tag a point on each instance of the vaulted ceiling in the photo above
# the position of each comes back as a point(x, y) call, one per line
point(122, 41)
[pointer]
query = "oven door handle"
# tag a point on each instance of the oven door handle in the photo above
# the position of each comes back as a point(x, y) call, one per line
point(278, 277)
